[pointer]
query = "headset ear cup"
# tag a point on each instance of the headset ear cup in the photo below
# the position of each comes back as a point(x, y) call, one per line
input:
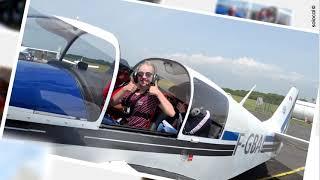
point(135, 76)
point(154, 78)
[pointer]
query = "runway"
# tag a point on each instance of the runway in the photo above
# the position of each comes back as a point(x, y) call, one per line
point(290, 162)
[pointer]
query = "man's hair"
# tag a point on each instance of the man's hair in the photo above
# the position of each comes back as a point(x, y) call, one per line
point(149, 64)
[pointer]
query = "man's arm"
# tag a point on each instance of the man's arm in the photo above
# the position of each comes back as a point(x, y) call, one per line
point(165, 105)
point(116, 99)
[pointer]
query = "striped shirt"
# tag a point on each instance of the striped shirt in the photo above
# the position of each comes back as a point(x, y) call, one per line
point(146, 104)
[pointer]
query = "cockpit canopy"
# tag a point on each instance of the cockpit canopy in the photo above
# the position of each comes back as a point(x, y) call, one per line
point(83, 58)
point(173, 78)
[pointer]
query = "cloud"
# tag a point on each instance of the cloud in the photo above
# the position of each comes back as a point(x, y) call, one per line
point(199, 59)
point(242, 66)
point(249, 63)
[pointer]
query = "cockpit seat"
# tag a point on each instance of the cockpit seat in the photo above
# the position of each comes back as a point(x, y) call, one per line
point(198, 123)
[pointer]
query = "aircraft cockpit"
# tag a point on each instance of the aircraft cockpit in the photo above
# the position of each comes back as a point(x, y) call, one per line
point(204, 118)
point(173, 81)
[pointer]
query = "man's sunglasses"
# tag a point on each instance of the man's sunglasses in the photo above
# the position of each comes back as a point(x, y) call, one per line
point(148, 74)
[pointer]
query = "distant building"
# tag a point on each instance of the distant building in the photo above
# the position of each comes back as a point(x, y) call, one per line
point(41, 54)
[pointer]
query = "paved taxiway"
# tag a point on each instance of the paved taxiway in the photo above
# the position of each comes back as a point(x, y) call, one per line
point(289, 163)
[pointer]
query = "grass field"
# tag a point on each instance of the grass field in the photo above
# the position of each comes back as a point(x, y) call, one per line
point(262, 112)
point(250, 104)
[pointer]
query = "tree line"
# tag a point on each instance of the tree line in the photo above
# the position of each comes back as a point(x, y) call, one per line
point(271, 98)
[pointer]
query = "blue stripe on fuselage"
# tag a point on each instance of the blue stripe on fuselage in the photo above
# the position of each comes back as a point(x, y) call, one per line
point(230, 136)
point(269, 139)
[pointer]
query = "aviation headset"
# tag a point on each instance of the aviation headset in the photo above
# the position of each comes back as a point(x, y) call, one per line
point(154, 76)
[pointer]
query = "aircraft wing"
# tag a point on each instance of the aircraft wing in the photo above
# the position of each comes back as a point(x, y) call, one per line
point(246, 97)
point(297, 142)
point(142, 171)
point(62, 167)
point(137, 170)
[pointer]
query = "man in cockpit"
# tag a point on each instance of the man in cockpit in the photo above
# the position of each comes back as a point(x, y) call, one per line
point(141, 97)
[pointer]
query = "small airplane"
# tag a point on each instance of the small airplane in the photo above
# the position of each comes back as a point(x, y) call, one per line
point(61, 103)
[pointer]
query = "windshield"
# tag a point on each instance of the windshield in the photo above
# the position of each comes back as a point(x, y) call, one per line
point(65, 69)
point(44, 35)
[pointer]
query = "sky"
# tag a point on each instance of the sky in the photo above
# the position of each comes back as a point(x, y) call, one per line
point(233, 54)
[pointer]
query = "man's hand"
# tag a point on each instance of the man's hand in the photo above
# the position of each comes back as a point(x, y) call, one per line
point(154, 90)
point(164, 105)
point(132, 87)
